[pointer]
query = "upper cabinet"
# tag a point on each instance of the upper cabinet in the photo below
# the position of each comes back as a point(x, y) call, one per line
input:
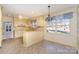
point(40, 21)
point(29, 24)
point(21, 24)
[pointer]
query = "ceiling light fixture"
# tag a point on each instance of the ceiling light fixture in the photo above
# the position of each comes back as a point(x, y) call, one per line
point(32, 12)
point(49, 16)
point(49, 10)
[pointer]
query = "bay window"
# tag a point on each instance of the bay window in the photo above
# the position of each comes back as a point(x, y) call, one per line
point(59, 23)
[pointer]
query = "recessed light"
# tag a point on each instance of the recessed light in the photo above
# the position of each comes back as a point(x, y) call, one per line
point(32, 12)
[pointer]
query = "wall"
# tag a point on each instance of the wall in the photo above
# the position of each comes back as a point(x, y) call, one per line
point(66, 39)
point(0, 27)
point(78, 27)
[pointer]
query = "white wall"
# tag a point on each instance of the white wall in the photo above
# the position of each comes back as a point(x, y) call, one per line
point(78, 27)
point(66, 39)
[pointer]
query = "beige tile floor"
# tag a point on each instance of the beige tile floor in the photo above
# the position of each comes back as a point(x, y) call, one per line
point(14, 46)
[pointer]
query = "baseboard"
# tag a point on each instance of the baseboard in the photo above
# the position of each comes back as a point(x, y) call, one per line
point(13, 38)
point(62, 44)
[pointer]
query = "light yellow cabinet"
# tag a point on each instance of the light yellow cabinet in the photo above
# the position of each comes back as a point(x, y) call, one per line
point(32, 37)
point(40, 21)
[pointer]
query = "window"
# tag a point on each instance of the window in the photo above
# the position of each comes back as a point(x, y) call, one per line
point(59, 23)
point(50, 24)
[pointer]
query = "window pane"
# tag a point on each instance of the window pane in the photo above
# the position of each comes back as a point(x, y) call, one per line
point(50, 24)
point(68, 15)
point(63, 25)
point(59, 23)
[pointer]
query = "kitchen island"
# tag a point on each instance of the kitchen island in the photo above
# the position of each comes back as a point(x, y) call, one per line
point(32, 37)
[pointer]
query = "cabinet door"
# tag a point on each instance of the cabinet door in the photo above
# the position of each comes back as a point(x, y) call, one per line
point(7, 30)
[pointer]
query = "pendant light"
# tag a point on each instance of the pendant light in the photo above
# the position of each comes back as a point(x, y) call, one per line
point(49, 16)
point(49, 10)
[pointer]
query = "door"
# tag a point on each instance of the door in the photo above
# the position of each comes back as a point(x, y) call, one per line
point(7, 30)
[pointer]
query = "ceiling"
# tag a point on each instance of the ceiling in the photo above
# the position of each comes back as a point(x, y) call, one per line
point(30, 10)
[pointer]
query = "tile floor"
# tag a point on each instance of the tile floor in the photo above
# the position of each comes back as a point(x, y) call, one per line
point(14, 46)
